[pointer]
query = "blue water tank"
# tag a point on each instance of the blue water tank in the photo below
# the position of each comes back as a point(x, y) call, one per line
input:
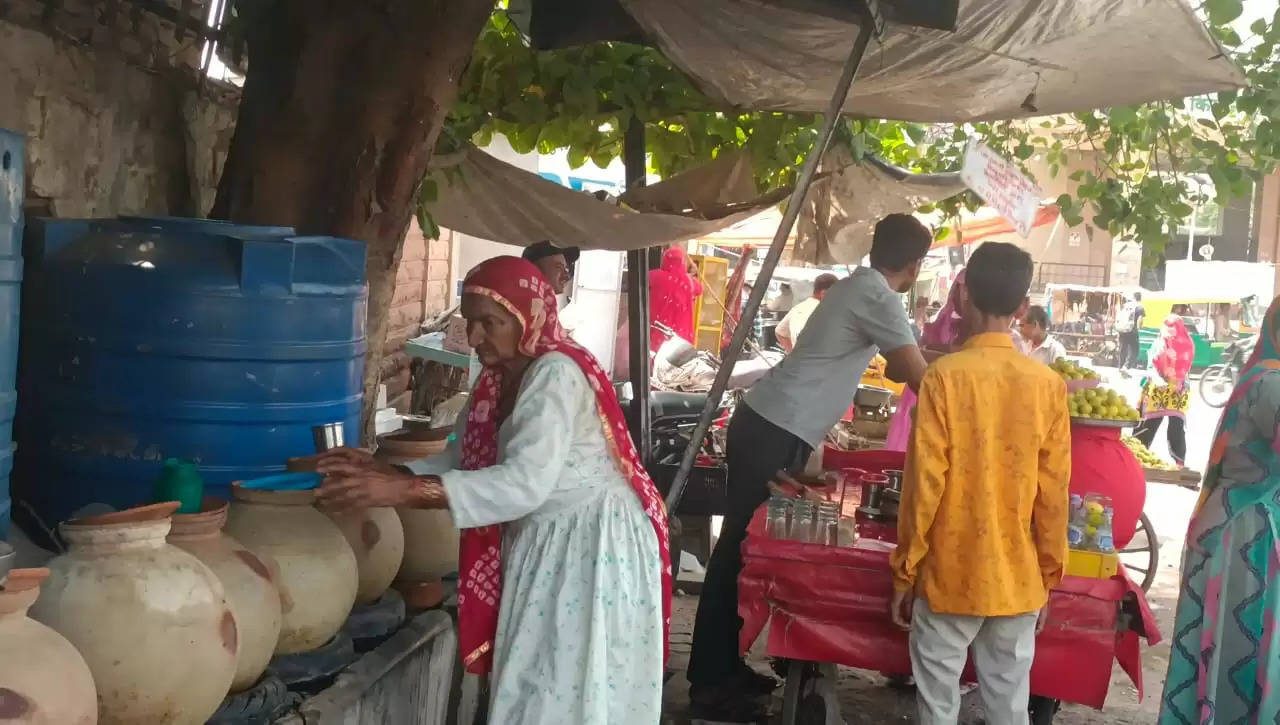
point(11, 189)
point(147, 339)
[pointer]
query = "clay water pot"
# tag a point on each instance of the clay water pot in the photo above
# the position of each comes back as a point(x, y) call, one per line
point(315, 567)
point(376, 537)
point(43, 679)
point(251, 590)
point(430, 538)
point(151, 620)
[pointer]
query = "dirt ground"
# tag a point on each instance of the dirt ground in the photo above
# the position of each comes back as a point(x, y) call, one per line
point(865, 699)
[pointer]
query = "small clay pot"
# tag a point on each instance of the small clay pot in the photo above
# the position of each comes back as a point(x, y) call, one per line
point(152, 621)
point(251, 590)
point(43, 679)
point(314, 566)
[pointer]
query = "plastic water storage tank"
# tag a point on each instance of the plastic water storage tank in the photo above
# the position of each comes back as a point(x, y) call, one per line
point(146, 339)
point(11, 189)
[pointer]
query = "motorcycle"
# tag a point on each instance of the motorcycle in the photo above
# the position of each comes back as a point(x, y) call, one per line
point(1219, 380)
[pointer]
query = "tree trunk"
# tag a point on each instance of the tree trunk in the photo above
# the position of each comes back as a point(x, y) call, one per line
point(341, 108)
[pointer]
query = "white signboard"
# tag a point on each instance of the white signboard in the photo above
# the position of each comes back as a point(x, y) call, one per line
point(1002, 186)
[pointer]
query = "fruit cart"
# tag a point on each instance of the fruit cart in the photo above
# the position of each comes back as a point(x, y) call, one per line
point(829, 605)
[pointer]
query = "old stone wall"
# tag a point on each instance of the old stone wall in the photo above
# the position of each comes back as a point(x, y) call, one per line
point(115, 118)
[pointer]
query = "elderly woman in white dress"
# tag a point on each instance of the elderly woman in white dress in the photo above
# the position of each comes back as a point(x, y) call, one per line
point(565, 585)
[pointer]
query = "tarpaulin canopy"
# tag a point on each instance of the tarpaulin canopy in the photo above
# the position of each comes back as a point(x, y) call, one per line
point(841, 209)
point(483, 196)
point(1006, 58)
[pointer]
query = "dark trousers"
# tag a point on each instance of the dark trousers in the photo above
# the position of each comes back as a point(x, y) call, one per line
point(757, 450)
point(1176, 432)
point(1128, 350)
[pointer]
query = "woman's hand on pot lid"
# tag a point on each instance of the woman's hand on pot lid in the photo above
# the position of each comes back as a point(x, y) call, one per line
point(349, 486)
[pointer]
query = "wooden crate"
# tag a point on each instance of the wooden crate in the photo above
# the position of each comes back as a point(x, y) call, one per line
point(407, 680)
point(1186, 477)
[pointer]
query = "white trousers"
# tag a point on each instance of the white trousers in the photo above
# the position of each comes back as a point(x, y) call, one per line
point(1003, 648)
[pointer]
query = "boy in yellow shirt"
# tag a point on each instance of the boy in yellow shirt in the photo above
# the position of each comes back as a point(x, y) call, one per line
point(982, 526)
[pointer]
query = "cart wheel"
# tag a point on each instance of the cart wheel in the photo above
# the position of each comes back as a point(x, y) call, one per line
point(1042, 710)
point(797, 673)
point(1142, 555)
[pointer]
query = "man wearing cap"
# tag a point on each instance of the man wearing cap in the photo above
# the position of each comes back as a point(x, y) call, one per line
point(555, 263)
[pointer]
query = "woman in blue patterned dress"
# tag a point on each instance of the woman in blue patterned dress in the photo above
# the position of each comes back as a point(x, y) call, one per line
point(1224, 667)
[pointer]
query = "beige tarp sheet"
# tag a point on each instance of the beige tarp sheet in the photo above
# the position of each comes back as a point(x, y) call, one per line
point(1075, 55)
point(483, 196)
point(842, 208)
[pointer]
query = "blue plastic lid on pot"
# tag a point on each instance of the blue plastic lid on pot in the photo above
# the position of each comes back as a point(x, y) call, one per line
point(284, 482)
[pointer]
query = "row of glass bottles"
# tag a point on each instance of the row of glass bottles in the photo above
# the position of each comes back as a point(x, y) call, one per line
point(803, 520)
point(1089, 527)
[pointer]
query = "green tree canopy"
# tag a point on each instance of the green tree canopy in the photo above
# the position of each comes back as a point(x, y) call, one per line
point(582, 99)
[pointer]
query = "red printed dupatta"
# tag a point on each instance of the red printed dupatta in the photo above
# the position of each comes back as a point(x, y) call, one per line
point(521, 289)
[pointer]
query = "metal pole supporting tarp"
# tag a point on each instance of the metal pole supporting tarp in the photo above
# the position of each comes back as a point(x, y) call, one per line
point(794, 203)
point(638, 300)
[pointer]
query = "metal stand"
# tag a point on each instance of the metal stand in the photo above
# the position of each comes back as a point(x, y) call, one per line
point(638, 302)
point(865, 31)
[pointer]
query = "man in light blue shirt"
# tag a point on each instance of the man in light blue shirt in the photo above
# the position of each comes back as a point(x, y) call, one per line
point(782, 419)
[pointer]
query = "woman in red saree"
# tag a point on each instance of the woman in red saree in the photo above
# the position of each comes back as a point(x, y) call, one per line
point(672, 291)
point(565, 578)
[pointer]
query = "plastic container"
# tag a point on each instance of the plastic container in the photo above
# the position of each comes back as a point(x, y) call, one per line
point(149, 339)
point(180, 481)
point(11, 190)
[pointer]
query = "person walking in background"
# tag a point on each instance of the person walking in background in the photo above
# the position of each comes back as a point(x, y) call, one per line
point(982, 525)
point(788, 331)
point(1225, 657)
point(1165, 394)
point(1128, 322)
point(920, 315)
point(672, 291)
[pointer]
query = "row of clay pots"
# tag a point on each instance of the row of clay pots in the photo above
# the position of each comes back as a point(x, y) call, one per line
point(43, 679)
point(151, 621)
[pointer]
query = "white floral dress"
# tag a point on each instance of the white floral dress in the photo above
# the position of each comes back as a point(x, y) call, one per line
point(580, 622)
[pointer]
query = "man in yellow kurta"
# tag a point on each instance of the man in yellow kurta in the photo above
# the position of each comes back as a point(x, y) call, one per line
point(982, 527)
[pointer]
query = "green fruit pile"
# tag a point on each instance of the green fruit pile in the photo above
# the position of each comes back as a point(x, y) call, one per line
point(1100, 403)
point(1144, 454)
point(1071, 371)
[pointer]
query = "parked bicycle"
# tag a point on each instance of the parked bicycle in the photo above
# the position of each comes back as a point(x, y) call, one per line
point(1219, 380)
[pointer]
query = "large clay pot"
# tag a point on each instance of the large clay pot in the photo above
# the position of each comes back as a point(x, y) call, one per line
point(376, 537)
point(251, 590)
point(151, 620)
point(430, 538)
point(316, 566)
point(43, 679)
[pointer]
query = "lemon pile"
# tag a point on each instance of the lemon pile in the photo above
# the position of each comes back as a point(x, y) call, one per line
point(1071, 371)
point(1100, 403)
point(1144, 455)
